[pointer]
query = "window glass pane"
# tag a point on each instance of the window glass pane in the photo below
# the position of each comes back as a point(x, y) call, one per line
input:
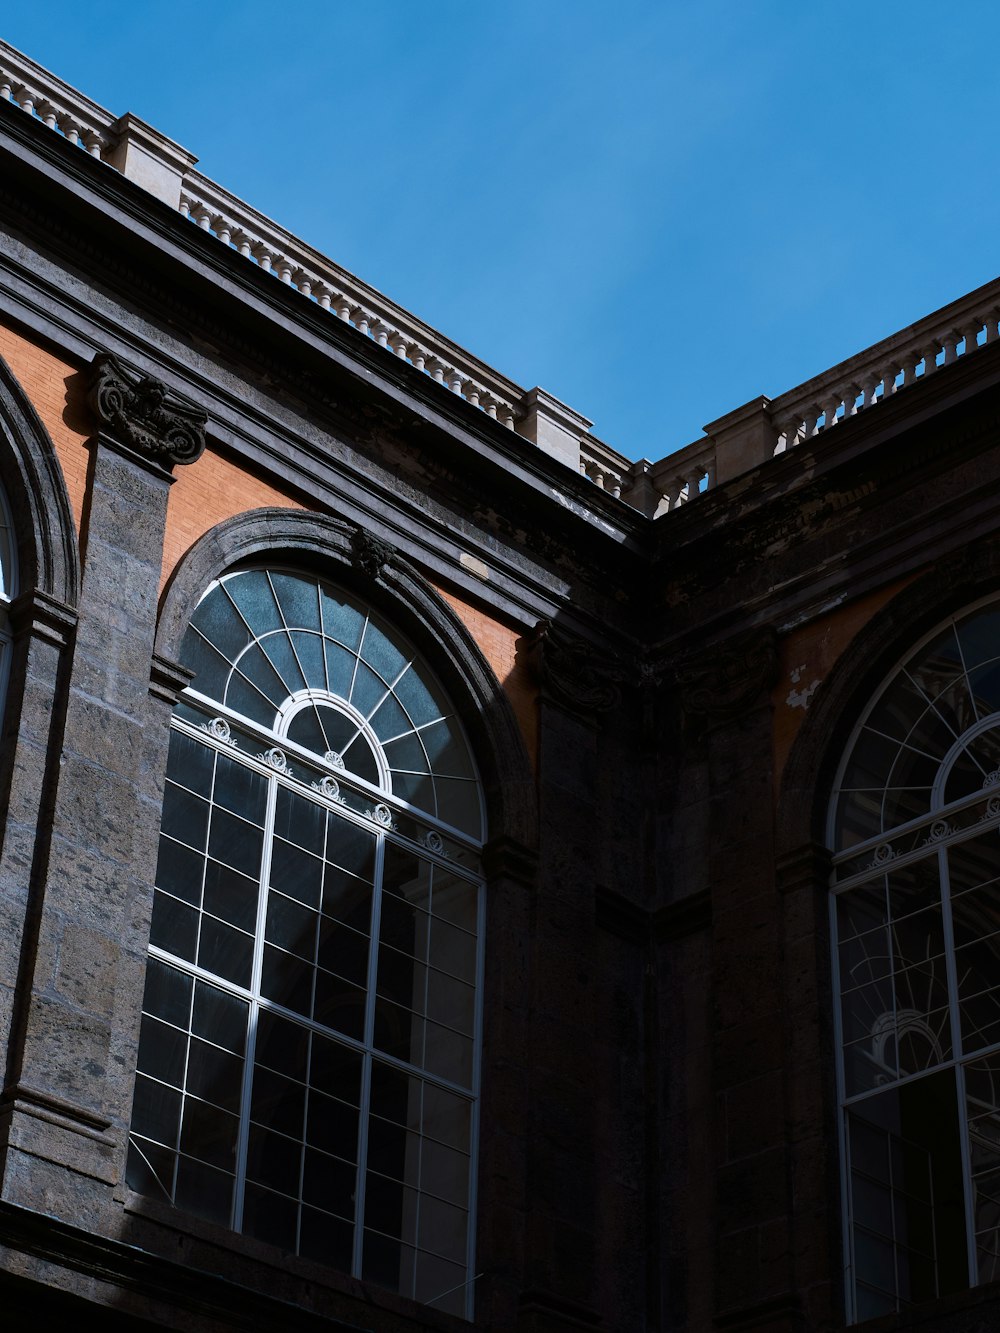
point(282, 656)
point(299, 600)
point(381, 655)
point(221, 624)
point(240, 789)
point(252, 594)
point(190, 763)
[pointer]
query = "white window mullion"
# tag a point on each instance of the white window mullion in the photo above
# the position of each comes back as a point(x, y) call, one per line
point(243, 1138)
point(364, 1110)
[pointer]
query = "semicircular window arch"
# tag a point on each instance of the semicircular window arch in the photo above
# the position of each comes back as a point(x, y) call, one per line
point(319, 669)
point(915, 928)
point(930, 737)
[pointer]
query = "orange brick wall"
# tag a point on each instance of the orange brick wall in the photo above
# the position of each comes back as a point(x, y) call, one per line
point(498, 645)
point(57, 395)
point(807, 656)
point(205, 493)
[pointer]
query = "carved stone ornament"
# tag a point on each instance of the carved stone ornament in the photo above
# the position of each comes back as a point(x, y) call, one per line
point(371, 554)
point(141, 413)
point(723, 683)
point(570, 670)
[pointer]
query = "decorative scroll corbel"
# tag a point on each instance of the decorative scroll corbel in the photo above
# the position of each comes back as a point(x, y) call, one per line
point(371, 554)
point(139, 412)
point(723, 682)
point(570, 670)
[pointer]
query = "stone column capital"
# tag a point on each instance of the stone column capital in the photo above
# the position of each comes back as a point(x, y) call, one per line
point(571, 671)
point(140, 414)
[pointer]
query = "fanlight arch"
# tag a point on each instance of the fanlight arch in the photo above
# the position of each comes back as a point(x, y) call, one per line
point(309, 1058)
point(915, 919)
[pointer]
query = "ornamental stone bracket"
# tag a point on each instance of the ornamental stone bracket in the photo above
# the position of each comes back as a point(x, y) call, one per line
point(571, 671)
point(140, 414)
point(725, 682)
point(371, 555)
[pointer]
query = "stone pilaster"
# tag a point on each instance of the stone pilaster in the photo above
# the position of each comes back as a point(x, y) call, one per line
point(67, 1097)
point(578, 686)
point(725, 696)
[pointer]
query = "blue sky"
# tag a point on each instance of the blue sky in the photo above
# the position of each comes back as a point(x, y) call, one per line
point(654, 210)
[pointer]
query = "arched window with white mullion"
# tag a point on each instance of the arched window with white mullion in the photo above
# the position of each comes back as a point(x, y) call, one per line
point(309, 1061)
point(915, 917)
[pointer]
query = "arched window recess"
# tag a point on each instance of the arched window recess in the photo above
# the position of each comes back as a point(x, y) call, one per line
point(309, 1062)
point(915, 922)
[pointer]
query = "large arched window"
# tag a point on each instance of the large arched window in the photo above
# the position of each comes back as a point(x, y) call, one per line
point(309, 1063)
point(915, 828)
point(8, 590)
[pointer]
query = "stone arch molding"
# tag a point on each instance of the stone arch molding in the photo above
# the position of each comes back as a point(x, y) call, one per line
point(47, 548)
point(368, 566)
point(956, 581)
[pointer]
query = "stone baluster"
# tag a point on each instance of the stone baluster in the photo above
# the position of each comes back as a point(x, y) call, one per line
point(343, 308)
point(791, 433)
point(507, 416)
point(323, 295)
point(223, 229)
point(869, 388)
point(490, 406)
point(929, 353)
point(243, 243)
point(436, 369)
point(6, 88)
point(613, 485)
point(93, 142)
point(263, 255)
point(671, 492)
point(284, 267)
point(48, 114)
point(418, 356)
point(71, 129)
point(400, 346)
point(362, 320)
point(202, 217)
point(25, 99)
point(951, 340)
point(993, 324)
point(471, 391)
point(596, 474)
point(970, 332)
point(693, 478)
point(809, 419)
point(302, 281)
point(888, 376)
point(454, 380)
point(380, 332)
point(851, 392)
point(910, 363)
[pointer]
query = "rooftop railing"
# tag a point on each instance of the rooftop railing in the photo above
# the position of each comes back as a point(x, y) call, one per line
point(732, 445)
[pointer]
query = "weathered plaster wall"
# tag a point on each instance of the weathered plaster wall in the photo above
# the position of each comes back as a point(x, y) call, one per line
point(807, 655)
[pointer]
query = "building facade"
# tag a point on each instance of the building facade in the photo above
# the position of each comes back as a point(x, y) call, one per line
point(450, 873)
